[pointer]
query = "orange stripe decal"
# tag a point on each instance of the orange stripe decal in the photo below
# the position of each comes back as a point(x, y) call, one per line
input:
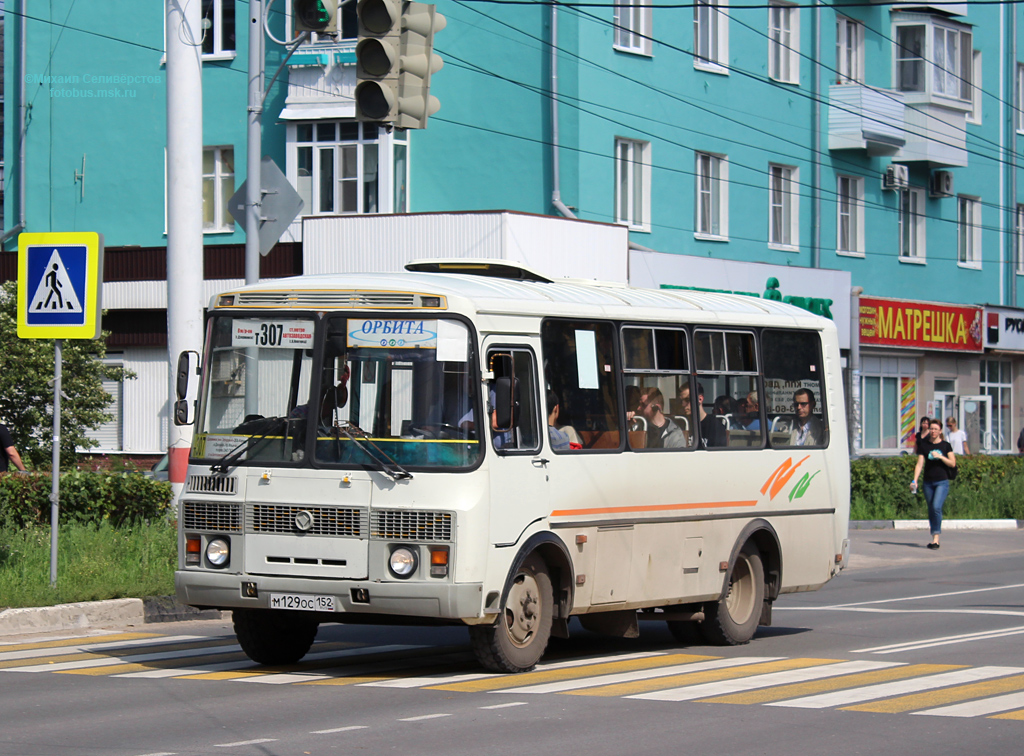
point(653, 508)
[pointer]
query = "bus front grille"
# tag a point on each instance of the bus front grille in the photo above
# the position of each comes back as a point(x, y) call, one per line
point(328, 299)
point(212, 484)
point(211, 516)
point(320, 521)
point(411, 526)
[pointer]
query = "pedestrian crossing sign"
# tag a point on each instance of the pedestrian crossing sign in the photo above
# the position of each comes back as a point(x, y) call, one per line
point(60, 277)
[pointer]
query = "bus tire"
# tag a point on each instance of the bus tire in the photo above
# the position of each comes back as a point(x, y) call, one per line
point(516, 642)
point(733, 620)
point(273, 637)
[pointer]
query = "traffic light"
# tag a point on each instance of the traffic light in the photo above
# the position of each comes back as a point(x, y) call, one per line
point(319, 16)
point(395, 60)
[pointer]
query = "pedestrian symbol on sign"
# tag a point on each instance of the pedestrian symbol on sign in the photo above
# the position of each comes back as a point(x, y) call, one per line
point(55, 293)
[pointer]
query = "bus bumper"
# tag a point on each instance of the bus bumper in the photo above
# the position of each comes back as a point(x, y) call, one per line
point(406, 599)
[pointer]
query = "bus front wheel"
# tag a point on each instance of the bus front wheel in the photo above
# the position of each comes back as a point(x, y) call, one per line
point(269, 636)
point(516, 642)
point(733, 620)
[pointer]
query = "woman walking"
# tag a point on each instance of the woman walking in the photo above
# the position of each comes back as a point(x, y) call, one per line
point(935, 456)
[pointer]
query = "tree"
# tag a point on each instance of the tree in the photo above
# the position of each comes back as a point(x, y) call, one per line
point(26, 388)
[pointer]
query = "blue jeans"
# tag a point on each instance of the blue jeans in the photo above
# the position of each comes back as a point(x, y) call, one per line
point(935, 493)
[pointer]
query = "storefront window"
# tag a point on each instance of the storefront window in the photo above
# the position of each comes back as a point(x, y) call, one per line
point(884, 382)
point(996, 383)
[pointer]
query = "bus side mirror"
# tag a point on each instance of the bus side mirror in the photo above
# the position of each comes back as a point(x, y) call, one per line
point(506, 403)
point(188, 368)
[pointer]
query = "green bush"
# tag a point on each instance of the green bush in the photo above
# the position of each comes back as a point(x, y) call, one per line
point(985, 487)
point(85, 497)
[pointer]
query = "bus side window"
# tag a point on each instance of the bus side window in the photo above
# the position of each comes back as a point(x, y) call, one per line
point(655, 371)
point(512, 401)
point(794, 386)
point(726, 384)
point(579, 365)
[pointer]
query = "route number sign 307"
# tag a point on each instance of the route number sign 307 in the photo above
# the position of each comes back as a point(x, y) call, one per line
point(273, 334)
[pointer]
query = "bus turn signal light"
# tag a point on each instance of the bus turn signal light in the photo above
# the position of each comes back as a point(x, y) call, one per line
point(439, 563)
point(192, 548)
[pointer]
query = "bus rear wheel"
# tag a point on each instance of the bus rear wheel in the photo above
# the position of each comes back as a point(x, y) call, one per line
point(274, 637)
point(733, 620)
point(516, 642)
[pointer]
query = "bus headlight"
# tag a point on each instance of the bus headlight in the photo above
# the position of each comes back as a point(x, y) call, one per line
point(217, 552)
point(402, 562)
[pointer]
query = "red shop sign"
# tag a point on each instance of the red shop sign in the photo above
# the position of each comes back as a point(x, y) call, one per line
point(923, 325)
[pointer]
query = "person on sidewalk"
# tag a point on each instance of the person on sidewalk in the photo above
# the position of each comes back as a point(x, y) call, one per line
point(8, 453)
point(935, 457)
point(956, 437)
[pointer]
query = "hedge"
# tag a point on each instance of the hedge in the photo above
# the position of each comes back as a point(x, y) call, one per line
point(985, 487)
point(85, 497)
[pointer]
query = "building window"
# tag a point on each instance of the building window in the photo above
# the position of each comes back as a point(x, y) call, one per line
point(710, 34)
point(976, 89)
point(969, 232)
point(912, 225)
point(218, 186)
point(632, 183)
point(349, 167)
point(996, 383)
point(849, 50)
point(883, 381)
point(783, 206)
point(633, 26)
point(1020, 98)
point(219, 28)
point(850, 220)
point(784, 43)
point(1020, 238)
point(712, 196)
point(943, 49)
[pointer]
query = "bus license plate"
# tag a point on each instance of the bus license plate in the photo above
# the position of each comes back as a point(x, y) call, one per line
point(302, 602)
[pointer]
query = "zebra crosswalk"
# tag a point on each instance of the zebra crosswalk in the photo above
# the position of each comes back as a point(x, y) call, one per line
point(892, 687)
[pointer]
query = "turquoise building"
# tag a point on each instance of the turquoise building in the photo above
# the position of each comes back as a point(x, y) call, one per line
point(877, 139)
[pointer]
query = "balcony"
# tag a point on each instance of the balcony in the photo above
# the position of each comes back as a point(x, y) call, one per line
point(935, 135)
point(865, 118)
point(321, 82)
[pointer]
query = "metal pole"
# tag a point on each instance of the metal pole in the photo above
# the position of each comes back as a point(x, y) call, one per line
point(55, 487)
point(253, 185)
point(184, 207)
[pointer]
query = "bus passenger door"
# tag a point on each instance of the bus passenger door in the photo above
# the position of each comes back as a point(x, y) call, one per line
point(514, 426)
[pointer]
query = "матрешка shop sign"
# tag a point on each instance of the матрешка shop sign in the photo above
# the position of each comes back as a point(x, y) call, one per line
point(920, 325)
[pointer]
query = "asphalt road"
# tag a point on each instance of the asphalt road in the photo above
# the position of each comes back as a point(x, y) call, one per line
point(909, 651)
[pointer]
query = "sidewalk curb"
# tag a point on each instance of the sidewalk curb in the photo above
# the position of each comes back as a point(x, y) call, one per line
point(946, 524)
point(86, 615)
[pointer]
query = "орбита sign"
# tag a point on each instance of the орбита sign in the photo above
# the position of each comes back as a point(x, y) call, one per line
point(923, 325)
point(59, 283)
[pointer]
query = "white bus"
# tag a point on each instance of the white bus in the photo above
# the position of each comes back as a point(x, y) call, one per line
point(385, 448)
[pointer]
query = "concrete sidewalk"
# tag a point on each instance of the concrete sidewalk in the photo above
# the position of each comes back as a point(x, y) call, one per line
point(91, 615)
point(946, 524)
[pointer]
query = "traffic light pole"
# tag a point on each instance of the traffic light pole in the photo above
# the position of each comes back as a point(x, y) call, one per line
point(253, 196)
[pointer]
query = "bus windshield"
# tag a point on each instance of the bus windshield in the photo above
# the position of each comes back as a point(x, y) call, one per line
point(383, 392)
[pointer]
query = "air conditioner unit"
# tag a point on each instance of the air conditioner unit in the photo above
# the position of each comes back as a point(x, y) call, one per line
point(941, 184)
point(896, 177)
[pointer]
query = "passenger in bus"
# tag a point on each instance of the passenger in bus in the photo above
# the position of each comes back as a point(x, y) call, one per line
point(334, 396)
point(726, 411)
point(633, 394)
point(712, 432)
point(753, 419)
point(807, 429)
point(559, 438)
point(662, 432)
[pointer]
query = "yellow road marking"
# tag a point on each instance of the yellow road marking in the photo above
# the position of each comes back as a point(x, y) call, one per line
point(798, 690)
point(184, 661)
point(1019, 714)
point(569, 673)
point(695, 678)
point(114, 653)
point(233, 675)
point(83, 641)
point(929, 699)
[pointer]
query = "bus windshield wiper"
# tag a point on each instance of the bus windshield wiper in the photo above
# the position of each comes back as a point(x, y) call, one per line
point(387, 465)
point(228, 460)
